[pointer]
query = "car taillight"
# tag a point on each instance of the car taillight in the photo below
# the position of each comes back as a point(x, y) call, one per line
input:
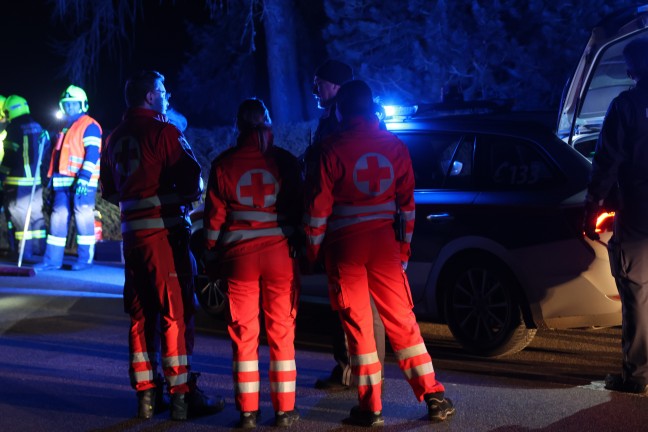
point(604, 222)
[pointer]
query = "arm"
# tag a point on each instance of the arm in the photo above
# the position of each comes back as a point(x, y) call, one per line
point(91, 144)
point(215, 209)
point(405, 200)
point(318, 206)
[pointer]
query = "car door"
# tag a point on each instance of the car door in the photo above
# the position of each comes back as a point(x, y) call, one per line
point(444, 193)
point(599, 77)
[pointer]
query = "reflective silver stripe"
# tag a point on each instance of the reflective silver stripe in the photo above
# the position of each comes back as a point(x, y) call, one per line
point(154, 223)
point(88, 166)
point(283, 387)
point(176, 380)
point(420, 370)
point(254, 216)
point(316, 239)
point(233, 236)
point(62, 181)
point(410, 352)
point(373, 379)
point(91, 140)
point(315, 222)
point(139, 357)
point(364, 359)
point(144, 376)
point(341, 223)
point(247, 387)
point(408, 215)
point(174, 361)
point(246, 366)
point(22, 181)
point(149, 202)
point(408, 238)
point(283, 365)
point(352, 210)
point(87, 240)
point(56, 241)
point(76, 159)
point(213, 235)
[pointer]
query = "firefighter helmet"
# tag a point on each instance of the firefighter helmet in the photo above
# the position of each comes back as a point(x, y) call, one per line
point(74, 94)
point(15, 106)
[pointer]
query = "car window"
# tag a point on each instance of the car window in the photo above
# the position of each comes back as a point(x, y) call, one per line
point(458, 164)
point(432, 154)
point(513, 163)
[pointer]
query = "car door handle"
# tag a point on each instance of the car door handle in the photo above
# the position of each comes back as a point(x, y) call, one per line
point(439, 217)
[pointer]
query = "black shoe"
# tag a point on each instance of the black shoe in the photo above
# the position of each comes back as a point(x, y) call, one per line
point(439, 407)
point(199, 403)
point(333, 382)
point(365, 418)
point(248, 419)
point(80, 266)
point(179, 407)
point(46, 267)
point(286, 418)
point(617, 383)
point(146, 403)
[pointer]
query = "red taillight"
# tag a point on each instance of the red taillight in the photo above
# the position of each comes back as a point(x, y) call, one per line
point(604, 222)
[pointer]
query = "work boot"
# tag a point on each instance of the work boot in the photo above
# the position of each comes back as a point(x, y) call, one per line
point(152, 401)
point(146, 403)
point(366, 418)
point(286, 418)
point(46, 267)
point(80, 266)
point(439, 407)
point(332, 382)
point(199, 403)
point(248, 419)
point(617, 383)
point(179, 407)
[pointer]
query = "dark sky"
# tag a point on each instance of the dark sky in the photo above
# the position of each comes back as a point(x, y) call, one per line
point(32, 69)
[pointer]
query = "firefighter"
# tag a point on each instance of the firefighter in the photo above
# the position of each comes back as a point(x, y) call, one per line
point(252, 208)
point(150, 171)
point(24, 142)
point(74, 177)
point(362, 217)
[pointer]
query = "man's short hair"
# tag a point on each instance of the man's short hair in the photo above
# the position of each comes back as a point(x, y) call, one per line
point(335, 72)
point(138, 85)
point(355, 99)
point(636, 57)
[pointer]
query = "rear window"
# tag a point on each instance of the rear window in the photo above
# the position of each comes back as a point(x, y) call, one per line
point(512, 163)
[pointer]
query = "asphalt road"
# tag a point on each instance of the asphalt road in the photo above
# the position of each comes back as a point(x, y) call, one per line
point(63, 367)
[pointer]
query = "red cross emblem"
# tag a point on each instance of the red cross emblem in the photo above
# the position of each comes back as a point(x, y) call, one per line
point(126, 155)
point(373, 174)
point(257, 188)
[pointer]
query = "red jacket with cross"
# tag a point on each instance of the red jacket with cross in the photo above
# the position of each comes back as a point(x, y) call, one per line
point(253, 198)
point(366, 178)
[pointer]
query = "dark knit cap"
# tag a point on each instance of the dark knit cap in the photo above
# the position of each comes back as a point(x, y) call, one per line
point(335, 72)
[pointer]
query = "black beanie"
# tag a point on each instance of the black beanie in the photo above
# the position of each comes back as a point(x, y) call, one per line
point(335, 72)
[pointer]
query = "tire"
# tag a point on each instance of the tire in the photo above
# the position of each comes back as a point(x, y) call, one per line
point(211, 294)
point(482, 309)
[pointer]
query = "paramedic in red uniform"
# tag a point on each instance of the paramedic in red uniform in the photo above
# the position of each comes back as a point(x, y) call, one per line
point(149, 170)
point(252, 208)
point(366, 188)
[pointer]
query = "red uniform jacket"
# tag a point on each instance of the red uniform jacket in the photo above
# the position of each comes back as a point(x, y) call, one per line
point(366, 178)
point(149, 169)
point(253, 199)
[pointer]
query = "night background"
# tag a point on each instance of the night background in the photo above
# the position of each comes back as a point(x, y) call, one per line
point(216, 53)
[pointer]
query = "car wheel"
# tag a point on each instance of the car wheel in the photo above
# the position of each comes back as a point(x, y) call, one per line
point(211, 295)
point(483, 311)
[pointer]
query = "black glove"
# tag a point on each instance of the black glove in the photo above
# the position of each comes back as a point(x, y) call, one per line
point(592, 209)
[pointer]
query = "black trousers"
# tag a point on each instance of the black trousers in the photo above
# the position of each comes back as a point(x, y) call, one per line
point(629, 264)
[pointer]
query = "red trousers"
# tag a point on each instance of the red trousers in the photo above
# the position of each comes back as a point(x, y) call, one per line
point(263, 281)
point(367, 263)
point(158, 296)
